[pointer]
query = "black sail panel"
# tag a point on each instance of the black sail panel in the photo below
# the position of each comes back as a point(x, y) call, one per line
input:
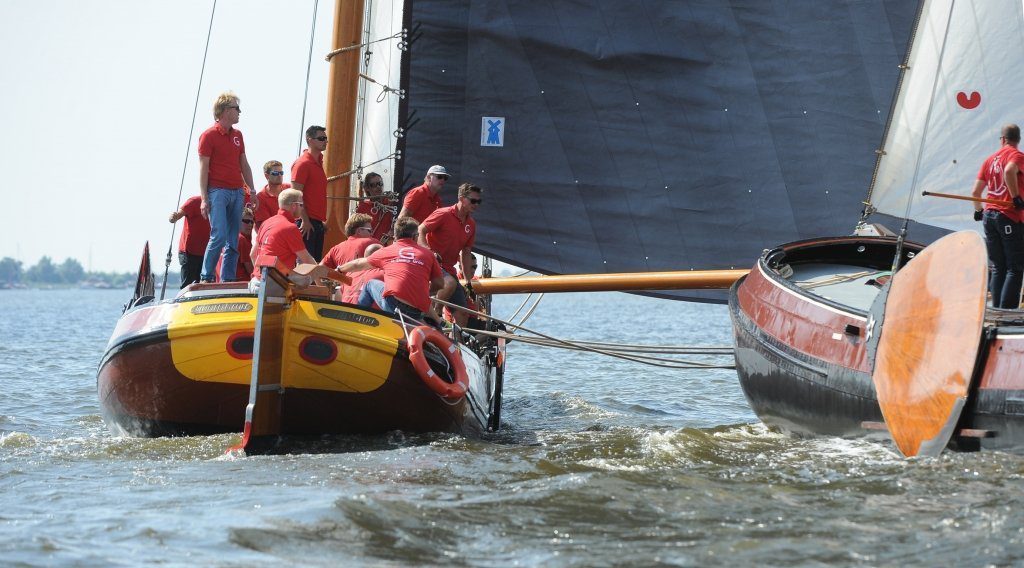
point(653, 135)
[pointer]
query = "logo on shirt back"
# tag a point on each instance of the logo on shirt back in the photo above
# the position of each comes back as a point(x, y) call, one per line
point(408, 254)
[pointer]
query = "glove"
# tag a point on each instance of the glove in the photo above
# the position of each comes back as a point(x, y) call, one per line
point(1018, 202)
point(977, 214)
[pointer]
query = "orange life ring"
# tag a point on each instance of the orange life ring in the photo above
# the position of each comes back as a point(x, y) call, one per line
point(417, 337)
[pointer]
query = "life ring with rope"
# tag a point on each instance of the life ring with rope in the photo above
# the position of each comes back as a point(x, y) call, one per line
point(426, 334)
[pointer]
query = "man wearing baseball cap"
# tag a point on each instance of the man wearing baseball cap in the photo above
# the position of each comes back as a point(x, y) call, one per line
point(421, 201)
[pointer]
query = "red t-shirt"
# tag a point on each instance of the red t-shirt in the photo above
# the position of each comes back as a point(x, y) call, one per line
point(408, 270)
point(420, 202)
point(281, 238)
point(309, 171)
point(195, 232)
point(351, 293)
point(381, 219)
point(267, 204)
point(352, 248)
point(225, 149)
point(448, 235)
point(991, 173)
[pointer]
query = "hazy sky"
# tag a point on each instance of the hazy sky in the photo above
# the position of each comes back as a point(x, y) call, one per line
point(97, 103)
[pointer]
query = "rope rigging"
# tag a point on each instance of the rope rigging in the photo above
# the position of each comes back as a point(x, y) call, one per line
point(184, 165)
point(626, 352)
point(309, 64)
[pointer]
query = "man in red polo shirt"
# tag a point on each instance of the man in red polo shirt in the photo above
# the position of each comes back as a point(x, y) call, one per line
point(380, 209)
point(351, 293)
point(278, 236)
point(223, 170)
point(267, 197)
point(195, 234)
point(308, 177)
point(410, 273)
point(421, 201)
point(358, 230)
point(450, 232)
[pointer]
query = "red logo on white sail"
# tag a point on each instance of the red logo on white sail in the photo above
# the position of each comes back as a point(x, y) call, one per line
point(968, 101)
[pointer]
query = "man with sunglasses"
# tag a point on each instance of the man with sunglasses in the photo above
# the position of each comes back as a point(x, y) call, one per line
point(308, 177)
point(223, 171)
point(421, 201)
point(450, 232)
point(360, 236)
point(280, 237)
point(378, 208)
point(267, 197)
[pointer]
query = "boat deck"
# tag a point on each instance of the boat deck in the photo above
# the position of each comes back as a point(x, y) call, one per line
point(841, 283)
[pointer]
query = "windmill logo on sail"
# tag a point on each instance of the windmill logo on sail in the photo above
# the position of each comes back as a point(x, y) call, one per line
point(492, 131)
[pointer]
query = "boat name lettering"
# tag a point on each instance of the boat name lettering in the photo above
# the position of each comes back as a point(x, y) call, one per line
point(347, 316)
point(221, 308)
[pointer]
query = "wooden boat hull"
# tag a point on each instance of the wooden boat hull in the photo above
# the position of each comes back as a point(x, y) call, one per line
point(183, 367)
point(803, 360)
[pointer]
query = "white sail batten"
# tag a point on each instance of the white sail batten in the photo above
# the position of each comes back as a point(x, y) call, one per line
point(962, 84)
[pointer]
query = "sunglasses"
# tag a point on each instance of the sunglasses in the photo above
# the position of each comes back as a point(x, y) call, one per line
point(321, 138)
point(247, 221)
point(236, 107)
point(475, 201)
point(275, 173)
point(367, 229)
point(377, 184)
point(299, 203)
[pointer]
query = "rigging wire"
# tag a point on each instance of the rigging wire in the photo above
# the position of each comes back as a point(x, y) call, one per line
point(191, 132)
point(309, 64)
point(585, 346)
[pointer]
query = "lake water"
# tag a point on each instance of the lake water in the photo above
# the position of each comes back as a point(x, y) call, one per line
point(601, 462)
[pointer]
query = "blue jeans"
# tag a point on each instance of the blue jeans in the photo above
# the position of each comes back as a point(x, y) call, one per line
point(374, 292)
point(225, 219)
point(1005, 244)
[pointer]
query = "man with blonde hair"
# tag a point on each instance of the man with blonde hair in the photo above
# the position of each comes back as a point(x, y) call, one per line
point(278, 236)
point(273, 170)
point(223, 171)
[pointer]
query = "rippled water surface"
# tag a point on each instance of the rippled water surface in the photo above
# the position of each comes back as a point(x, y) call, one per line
point(600, 462)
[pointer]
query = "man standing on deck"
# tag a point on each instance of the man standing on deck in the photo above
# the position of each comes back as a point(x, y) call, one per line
point(1004, 231)
point(195, 235)
point(267, 197)
point(421, 201)
point(278, 236)
point(308, 177)
point(450, 232)
point(223, 169)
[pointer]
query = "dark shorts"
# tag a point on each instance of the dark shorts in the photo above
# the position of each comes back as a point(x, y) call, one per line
point(314, 241)
point(191, 267)
point(459, 295)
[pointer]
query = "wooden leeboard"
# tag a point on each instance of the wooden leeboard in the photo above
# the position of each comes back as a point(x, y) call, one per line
point(929, 342)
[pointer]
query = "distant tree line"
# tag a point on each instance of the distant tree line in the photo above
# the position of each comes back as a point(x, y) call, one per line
point(68, 273)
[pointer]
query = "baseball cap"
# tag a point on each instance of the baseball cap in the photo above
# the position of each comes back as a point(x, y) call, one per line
point(438, 171)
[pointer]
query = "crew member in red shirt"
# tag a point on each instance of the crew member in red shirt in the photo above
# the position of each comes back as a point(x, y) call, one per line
point(450, 232)
point(378, 208)
point(308, 177)
point(223, 171)
point(351, 293)
point(421, 201)
point(358, 230)
point(278, 236)
point(410, 274)
point(195, 234)
point(1003, 175)
point(267, 197)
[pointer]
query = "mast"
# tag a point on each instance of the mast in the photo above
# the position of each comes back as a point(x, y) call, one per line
point(341, 115)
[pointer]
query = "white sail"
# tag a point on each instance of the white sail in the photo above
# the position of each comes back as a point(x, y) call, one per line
point(377, 111)
point(962, 85)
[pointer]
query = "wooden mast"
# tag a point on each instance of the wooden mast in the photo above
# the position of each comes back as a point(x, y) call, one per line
point(341, 115)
